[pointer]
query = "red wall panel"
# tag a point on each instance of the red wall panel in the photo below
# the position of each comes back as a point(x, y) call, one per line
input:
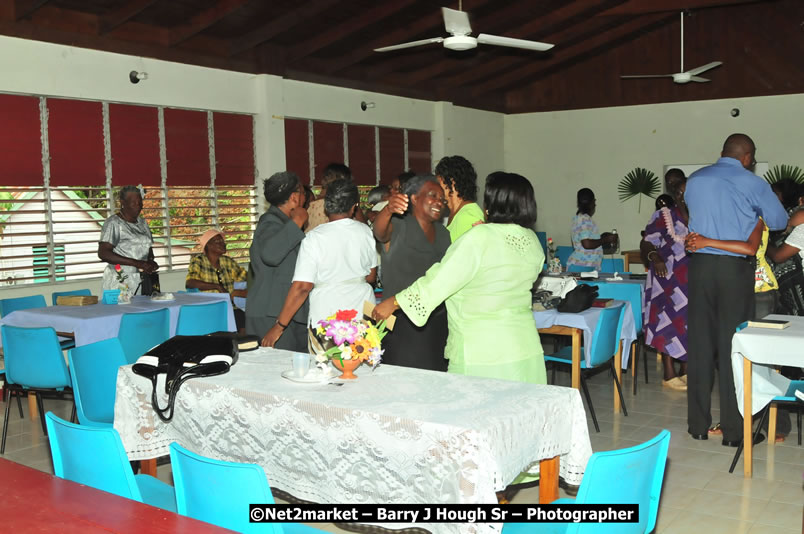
point(234, 149)
point(328, 146)
point(420, 159)
point(392, 153)
point(20, 141)
point(187, 145)
point(362, 154)
point(75, 135)
point(297, 148)
point(134, 133)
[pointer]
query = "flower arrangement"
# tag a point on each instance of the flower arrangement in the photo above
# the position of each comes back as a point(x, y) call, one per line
point(351, 338)
point(551, 246)
point(121, 276)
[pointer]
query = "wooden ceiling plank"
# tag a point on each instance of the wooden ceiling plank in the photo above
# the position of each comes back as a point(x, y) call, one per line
point(632, 26)
point(204, 20)
point(124, 13)
point(48, 17)
point(24, 8)
point(275, 27)
point(639, 7)
point(373, 16)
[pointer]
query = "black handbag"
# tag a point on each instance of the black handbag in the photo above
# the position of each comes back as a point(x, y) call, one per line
point(578, 300)
point(181, 358)
point(149, 282)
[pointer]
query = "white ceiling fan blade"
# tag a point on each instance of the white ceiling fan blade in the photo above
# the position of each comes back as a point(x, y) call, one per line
point(485, 38)
point(647, 76)
point(456, 22)
point(704, 68)
point(699, 79)
point(410, 44)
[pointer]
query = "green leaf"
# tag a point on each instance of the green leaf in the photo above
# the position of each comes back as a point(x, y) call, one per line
point(784, 172)
point(639, 182)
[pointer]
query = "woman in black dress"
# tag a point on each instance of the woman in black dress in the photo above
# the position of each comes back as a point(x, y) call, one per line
point(412, 239)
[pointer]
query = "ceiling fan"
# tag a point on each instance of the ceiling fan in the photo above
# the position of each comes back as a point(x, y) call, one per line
point(683, 76)
point(456, 23)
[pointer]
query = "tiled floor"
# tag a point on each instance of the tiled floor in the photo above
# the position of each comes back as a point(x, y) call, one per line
point(699, 494)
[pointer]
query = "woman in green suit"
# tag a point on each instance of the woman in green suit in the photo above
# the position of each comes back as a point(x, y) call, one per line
point(485, 279)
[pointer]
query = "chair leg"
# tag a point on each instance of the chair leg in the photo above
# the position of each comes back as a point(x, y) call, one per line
point(739, 450)
point(19, 404)
point(5, 423)
point(644, 350)
point(41, 412)
point(73, 415)
point(619, 390)
point(798, 422)
point(635, 373)
point(589, 402)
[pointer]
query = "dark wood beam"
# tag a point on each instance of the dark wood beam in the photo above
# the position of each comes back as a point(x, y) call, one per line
point(373, 16)
point(124, 13)
point(204, 20)
point(570, 54)
point(24, 8)
point(539, 28)
point(639, 7)
point(274, 27)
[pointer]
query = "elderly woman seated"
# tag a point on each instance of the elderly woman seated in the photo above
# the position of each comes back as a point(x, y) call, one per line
point(214, 271)
point(337, 262)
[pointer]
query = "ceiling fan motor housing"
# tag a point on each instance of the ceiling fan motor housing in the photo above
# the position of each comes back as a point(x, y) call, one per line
point(460, 42)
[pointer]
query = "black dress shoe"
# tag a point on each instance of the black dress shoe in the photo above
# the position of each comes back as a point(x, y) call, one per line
point(699, 436)
point(757, 440)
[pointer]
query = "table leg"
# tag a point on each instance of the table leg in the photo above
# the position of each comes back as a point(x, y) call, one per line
point(148, 467)
point(33, 410)
point(548, 480)
point(748, 442)
point(577, 340)
point(618, 364)
point(772, 412)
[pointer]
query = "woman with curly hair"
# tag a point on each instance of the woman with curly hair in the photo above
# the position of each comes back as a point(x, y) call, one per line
point(459, 182)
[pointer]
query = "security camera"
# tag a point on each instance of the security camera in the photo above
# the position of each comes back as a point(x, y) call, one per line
point(135, 77)
point(363, 106)
point(735, 112)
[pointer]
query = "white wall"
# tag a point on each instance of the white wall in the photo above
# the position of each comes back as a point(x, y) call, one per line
point(564, 151)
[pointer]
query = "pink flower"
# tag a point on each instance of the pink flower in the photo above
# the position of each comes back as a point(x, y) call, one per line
point(340, 331)
point(117, 268)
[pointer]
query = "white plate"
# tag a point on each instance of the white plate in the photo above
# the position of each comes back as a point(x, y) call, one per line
point(312, 377)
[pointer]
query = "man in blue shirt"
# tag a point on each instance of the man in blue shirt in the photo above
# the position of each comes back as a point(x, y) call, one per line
point(724, 202)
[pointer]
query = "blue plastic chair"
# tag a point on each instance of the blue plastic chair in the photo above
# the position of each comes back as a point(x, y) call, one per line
point(34, 364)
point(625, 476)
point(140, 332)
point(93, 369)
point(21, 303)
point(579, 268)
point(604, 345)
point(633, 294)
point(58, 294)
point(95, 457)
point(219, 492)
point(563, 254)
point(612, 265)
point(202, 319)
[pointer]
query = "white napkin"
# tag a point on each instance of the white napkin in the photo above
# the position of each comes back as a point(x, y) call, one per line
point(589, 274)
point(616, 276)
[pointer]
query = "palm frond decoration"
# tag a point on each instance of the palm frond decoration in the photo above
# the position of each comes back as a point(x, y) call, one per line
point(639, 182)
point(783, 172)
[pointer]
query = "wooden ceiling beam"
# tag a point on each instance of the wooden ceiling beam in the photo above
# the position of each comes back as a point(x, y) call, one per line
point(24, 8)
point(641, 7)
point(204, 20)
point(275, 27)
point(540, 28)
point(123, 14)
point(373, 16)
point(583, 48)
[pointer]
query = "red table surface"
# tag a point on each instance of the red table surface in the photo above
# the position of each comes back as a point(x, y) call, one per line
point(32, 501)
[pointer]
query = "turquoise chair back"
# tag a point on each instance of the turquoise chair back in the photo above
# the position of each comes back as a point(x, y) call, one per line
point(33, 358)
point(21, 303)
point(579, 268)
point(219, 492)
point(92, 456)
point(607, 335)
point(612, 265)
point(140, 332)
point(93, 369)
point(58, 294)
point(630, 292)
point(202, 319)
point(563, 254)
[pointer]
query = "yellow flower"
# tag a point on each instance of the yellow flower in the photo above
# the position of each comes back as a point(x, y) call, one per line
point(373, 336)
point(361, 348)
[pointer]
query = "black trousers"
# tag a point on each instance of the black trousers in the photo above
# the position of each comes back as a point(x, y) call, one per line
point(721, 296)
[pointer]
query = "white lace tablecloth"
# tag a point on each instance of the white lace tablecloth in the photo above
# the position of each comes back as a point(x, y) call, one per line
point(97, 322)
point(394, 435)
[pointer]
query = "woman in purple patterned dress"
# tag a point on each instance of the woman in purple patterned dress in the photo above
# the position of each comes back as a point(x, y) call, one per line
point(665, 307)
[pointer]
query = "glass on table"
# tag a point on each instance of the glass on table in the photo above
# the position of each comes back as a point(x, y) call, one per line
point(301, 364)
